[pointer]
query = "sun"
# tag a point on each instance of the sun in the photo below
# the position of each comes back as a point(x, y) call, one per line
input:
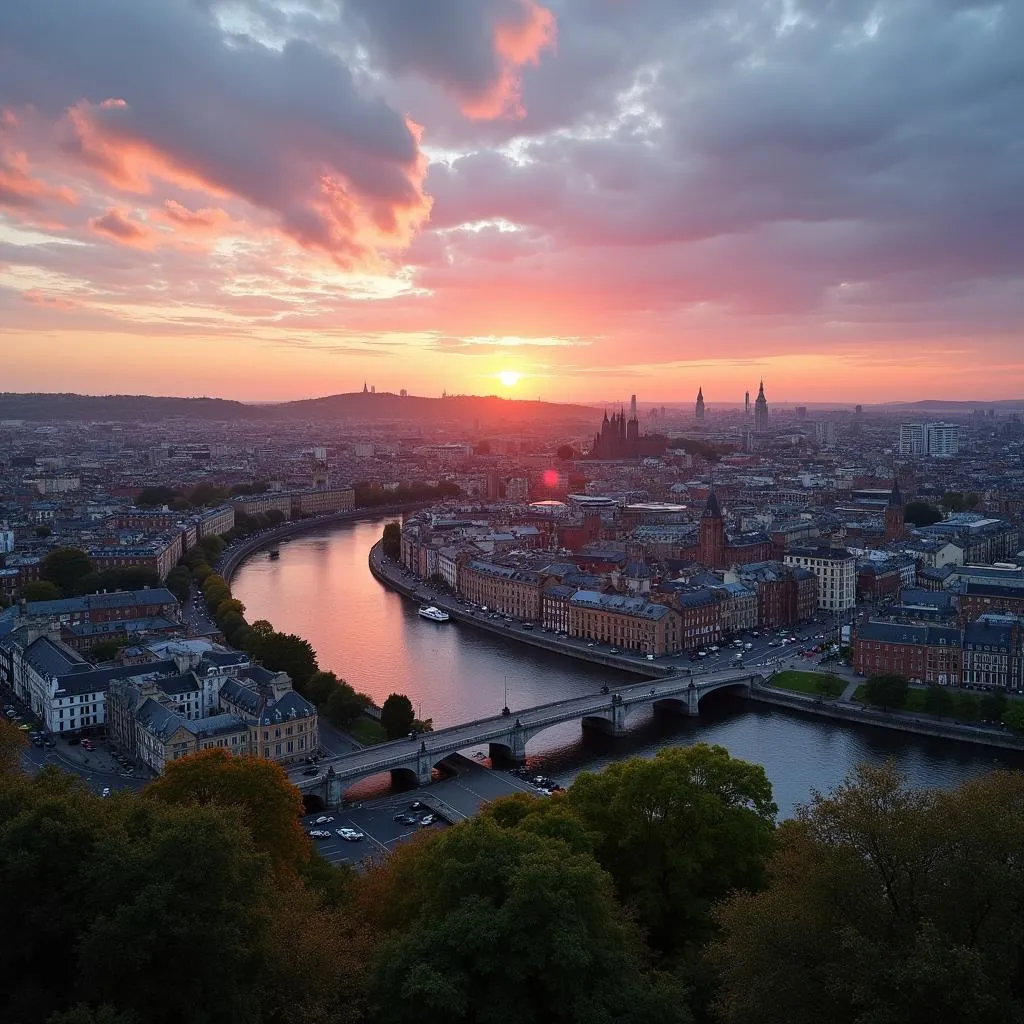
point(510, 378)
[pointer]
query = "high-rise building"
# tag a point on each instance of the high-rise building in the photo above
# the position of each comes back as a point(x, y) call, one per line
point(936, 439)
point(632, 408)
point(825, 433)
point(699, 410)
point(761, 411)
point(746, 405)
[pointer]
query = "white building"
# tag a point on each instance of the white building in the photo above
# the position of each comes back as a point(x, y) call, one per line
point(935, 439)
point(835, 570)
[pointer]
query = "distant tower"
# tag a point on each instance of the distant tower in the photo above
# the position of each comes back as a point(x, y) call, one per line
point(366, 390)
point(699, 411)
point(711, 546)
point(761, 411)
point(894, 513)
point(632, 408)
point(746, 405)
point(858, 418)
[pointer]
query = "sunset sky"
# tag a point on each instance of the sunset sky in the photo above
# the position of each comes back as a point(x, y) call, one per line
point(571, 199)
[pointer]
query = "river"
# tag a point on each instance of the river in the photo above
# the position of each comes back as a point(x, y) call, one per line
point(320, 587)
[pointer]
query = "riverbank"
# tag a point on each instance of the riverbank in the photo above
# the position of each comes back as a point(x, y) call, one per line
point(233, 557)
point(388, 574)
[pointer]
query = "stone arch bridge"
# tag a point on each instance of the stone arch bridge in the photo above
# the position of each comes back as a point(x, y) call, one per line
point(507, 735)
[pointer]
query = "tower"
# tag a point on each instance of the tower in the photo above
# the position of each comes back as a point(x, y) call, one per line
point(711, 544)
point(894, 513)
point(746, 405)
point(699, 411)
point(761, 411)
point(632, 408)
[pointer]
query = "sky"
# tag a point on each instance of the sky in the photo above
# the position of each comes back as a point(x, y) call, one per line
point(565, 199)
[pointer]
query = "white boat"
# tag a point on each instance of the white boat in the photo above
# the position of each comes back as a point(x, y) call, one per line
point(428, 611)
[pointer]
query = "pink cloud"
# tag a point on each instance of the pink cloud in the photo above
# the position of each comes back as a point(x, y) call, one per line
point(20, 189)
point(118, 226)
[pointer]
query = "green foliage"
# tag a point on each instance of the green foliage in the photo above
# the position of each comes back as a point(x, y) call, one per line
point(42, 531)
point(886, 691)
point(808, 682)
point(206, 494)
point(920, 513)
point(286, 652)
point(40, 590)
point(952, 501)
point(129, 577)
point(64, 568)
point(344, 705)
point(105, 650)
point(156, 497)
point(397, 716)
point(566, 452)
point(212, 546)
point(993, 706)
point(392, 544)
point(371, 495)
point(1013, 716)
point(885, 904)
point(677, 833)
point(179, 583)
point(501, 925)
point(938, 700)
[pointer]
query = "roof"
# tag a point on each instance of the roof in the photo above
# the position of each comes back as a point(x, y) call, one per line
point(906, 633)
point(820, 551)
point(214, 725)
point(52, 659)
point(288, 706)
point(636, 607)
point(712, 510)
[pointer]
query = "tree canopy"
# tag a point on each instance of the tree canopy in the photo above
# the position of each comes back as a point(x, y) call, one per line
point(920, 513)
point(397, 715)
point(65, 568)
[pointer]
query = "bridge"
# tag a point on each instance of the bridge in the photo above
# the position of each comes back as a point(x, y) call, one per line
point(507, 735)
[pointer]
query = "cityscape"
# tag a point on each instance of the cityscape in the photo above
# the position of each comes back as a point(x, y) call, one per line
point(511, 511)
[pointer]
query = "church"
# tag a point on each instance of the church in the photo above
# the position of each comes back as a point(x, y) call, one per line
point(620, 438)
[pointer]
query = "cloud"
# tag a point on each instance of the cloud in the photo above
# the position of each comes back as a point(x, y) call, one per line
point(286, 130)
point(118, 225)
point(473, 48)
point(20, 189)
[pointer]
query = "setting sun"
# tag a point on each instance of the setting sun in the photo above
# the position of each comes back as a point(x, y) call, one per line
point(510, 378)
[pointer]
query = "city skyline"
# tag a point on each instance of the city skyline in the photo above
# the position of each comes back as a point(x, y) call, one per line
point(514, 197)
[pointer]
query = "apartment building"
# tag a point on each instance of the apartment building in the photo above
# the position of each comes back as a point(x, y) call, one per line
point(835, 570)
point(629, 623)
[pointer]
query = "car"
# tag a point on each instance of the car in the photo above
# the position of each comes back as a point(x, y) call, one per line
point(427, 819)
point(37, 740)
point(319, 833)
point(87, 745)
point(311, 771)
point(590, 645)
point(614, 650)
point(650, 657)
point(25, 726)
point(350, 835)
point(49, 741)
point(405, 819)
point(417, 805)
point(324, 819)
point(106, 791)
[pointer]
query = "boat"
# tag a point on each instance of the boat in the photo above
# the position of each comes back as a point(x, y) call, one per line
point(274, 553)
point(428, 611)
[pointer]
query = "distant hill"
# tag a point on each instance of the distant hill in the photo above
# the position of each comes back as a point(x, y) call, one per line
point(961, 405)
point(489, 411)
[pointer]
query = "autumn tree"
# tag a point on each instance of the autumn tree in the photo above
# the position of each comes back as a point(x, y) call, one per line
point(884, 904)
point(270, 805)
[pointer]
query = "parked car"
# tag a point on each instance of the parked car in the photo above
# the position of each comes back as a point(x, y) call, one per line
point(350, 835)
point(405, 819)
point(324, 819)
point(87, 745)
point(427, 819)
point(106, 791)
point(319, 833)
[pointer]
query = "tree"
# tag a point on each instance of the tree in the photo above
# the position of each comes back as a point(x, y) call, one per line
point(269, 804)
point(230, 606)
point(568, 954)
point(920, 513)
point(937, 700)
point(213, 546)
point(566, 452)
point(320, 686)
point(64, 567)
point(40, 590)
point(155, 497)
point(206, 494)
point(286, 652)
point(886, 691)
point(952, 501)
point(12, 746)
point(105, 650)
point(179, 583)
point(392, 545)
point(344, 706)
point(993, 706)
point(1013, 716)
point(397, 715)
point(42, 531)
point(897, 905)
point(971, 500)
point(677, 833)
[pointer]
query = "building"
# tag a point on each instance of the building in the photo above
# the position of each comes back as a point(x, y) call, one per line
point(159, 554)
point(920, 653)
point(319, 501)
point(699, 409)
point(620, 438)
point(629, 623)
point(501, 588)
point(761, 411)
point(718, 551)
point(95, 608)
point(555, 607)
point(994, 653)
point(940, 440)
point(825, 433)
point(836, 572)
point(786, 594)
